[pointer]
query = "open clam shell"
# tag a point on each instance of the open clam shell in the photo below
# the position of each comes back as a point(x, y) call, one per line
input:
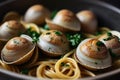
point(97, 58)
point(18, 50)
point(65, 21)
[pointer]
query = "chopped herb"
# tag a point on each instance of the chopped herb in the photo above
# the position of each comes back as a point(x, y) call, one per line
point(24, 71)
point(111, 53)
point(75, 39)
point(16, 42)
point(109, 38)
point(33, 34)
point(98, 33)
point(96, 63)
point(58, 33)
point(46, 27)
point(49, 49)
point(47, 33)
point(64, 64)
point(99, 43)
point(53, 14)
point(109, 34)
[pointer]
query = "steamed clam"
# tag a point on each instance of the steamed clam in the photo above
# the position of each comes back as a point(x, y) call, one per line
point(88, 21)
point(65, 21)
point(112, 42)
point(36, 14)
point(53, 43)
point(93, 54)
point(10, 29)
point(12, 15)
point(18, 50)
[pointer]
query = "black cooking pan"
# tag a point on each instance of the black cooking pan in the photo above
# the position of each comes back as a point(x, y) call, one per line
point(107, 15)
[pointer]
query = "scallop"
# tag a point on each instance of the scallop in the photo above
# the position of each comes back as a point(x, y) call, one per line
point(93, 54)
point(112, 42)
point(53, 43)
point(36, 14)
point(11, 29)
point(88, 21)
point(65, 21)
point(18, 50)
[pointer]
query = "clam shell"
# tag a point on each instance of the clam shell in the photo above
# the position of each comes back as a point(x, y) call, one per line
point(88, 21)
point(11, 16)
point(36, 14)
point(64, 21)
point(91, 63)
point(22, 59)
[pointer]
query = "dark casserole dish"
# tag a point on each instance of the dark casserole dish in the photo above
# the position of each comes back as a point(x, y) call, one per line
point(107, 15)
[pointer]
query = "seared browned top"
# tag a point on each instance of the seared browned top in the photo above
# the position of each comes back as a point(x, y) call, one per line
point(54, 37)
point(67, 15)
point(15, 25)
point(94, 49)
point(18, 43)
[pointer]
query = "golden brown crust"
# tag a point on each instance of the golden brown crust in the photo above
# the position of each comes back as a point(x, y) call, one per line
point(91, 49)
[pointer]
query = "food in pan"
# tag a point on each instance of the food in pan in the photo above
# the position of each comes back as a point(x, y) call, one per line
point(58, 45)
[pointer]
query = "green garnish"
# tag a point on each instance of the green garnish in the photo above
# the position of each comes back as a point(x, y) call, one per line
point(16, 42)
point(75, 39)
point(33, 34)
point(64, 64)
point(46, 27)
point(111, 53)
point(53, 14)
point(99, 43)
point(109, 34)
point(98, 33)
point(24, 71)
point(96, 63)
point(109, 38)
point(58, 33)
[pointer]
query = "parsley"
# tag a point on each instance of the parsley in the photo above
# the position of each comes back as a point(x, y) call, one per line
point(53, 14)
point(109, 34)
point(46, 27)
point(58, 33)
point(96, 63)
point(75, 39)
point(64, 64)
point(24, 71)
point(99, 43)
point(98, 33)
point(33, 34)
